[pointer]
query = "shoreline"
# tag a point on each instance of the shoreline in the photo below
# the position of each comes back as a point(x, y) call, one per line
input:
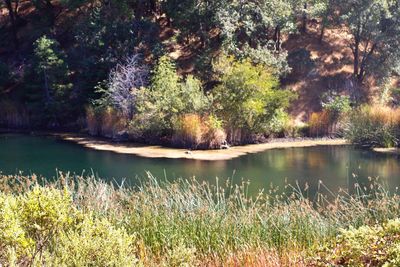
point(389, 151)
point(155, 151)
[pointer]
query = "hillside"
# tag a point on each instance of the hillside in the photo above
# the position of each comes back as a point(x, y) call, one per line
point(81, 65)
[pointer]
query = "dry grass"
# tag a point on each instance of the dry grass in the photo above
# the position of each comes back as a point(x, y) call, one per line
point(375, 126)
point(196, 132)
point(196, 224)
point(320, 123)
point(105, 122)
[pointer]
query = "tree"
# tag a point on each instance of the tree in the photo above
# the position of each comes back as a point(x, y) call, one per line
point(49, 81)
point(12, 7)
point(192, 17)
point(325, 9)
point(375, 29)
point(105, 37)
point(124, 81)
point(252, 29)
point(168, 97)
point(247, 98)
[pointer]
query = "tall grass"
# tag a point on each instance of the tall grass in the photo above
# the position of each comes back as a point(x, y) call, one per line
point(13, 115)
point(105, 121)
point(195, 223)
point(375, 126)
point(196, 132)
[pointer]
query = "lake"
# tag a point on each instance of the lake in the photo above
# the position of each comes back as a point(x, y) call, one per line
point(336, 166)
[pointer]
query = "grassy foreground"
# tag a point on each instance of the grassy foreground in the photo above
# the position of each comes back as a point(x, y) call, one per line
point(81, 221)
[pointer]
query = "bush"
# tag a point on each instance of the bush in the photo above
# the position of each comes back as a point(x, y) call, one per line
point(374, 127)
point(366, 246)
point(82, 221)
point(105, 121)
point(188, 131)
point(43, 227)
point(337, 105)
point(169, 97)
point(278, 123)
point(213, 135)
point(320, 123)
point(49, 84)
point(195, 132)
point(248, 98)
point(95, 242)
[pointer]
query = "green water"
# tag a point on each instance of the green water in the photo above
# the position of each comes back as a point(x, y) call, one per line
point(337, 166)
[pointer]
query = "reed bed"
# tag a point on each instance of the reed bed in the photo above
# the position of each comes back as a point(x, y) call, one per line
point(182, 223)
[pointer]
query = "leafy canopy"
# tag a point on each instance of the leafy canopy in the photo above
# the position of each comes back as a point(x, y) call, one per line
point(248, 96)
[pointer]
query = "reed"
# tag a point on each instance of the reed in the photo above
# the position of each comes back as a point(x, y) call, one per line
point(375, 126)
point(188, 222)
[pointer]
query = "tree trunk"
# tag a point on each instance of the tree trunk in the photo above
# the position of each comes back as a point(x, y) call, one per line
point(304, 27)
point(321, 35)
point(356, 61)
point(277, 38)
point(13, 19)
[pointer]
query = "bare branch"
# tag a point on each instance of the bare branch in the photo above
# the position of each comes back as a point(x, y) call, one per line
point(124, 81)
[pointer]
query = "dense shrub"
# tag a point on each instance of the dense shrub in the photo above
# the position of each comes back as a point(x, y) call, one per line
point(188, 131)
point(195, 132)
point(248, 98)
point(330, 120)
point(320, 123)
point(94, 242)
point(168, 97)
point(81, 221)
point(43, 226)
point(377, 245)
point(105, 121)
point(337, 105)
point(49, 87)
point(374, 127)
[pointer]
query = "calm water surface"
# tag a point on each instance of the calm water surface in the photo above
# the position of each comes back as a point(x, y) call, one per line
point(337, 166)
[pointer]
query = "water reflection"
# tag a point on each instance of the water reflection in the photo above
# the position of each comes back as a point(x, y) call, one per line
point(337, 167)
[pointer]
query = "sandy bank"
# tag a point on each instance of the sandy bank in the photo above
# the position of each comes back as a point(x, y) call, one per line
point(393, 150)
point(173, 153)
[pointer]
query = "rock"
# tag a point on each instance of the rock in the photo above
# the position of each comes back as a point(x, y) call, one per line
point(225, 147)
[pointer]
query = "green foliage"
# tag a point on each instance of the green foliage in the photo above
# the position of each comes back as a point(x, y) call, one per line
point(374, 25)
point(86, 222)
point(374, 127)
point(106, 35)
point(336, 104)
point(192, 17)
point(12, 234)
point(43, 226)
point(300, 61)
point(250, 38)
point(186, 223)
point(278, 122)
point(49, 83)
point(168, 97)
point(94, 242)
point(248, 97)
point(373, 246)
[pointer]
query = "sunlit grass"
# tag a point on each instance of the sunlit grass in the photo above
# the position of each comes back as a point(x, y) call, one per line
point(193, 222)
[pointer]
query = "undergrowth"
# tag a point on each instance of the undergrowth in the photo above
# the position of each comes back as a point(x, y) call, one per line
point(83, 221)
